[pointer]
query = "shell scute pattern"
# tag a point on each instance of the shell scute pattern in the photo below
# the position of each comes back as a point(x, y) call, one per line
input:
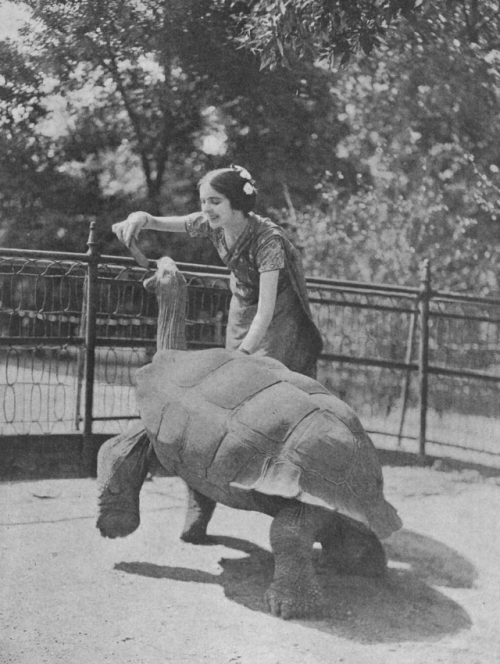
point(340, 409)
point(191, 430)
point(232, 456)
point(188, 370)
point(308, 385)
point(249, 424)
point(172, 429)
point(275, 477)
point(275, 412)
point(230, 385)
point(327, 448)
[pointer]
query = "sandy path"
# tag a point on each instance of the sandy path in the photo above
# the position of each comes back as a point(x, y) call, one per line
point(70, 596)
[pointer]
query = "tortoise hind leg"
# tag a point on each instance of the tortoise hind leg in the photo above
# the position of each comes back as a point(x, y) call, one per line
point(198, 514)
point(350, 547)
point(295, 590)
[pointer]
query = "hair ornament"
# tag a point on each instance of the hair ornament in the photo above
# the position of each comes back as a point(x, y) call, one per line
point(242, 172)
point(249, 187)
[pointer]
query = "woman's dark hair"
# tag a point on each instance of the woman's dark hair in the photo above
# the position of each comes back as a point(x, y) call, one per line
point(236, 184)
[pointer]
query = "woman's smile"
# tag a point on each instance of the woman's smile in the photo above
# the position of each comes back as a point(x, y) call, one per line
point(216, 207)
point(219, 213)
point(212, 219)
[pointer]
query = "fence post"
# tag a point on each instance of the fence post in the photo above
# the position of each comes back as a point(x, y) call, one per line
point(409, 357)
point(88, 452)
point(423, 360)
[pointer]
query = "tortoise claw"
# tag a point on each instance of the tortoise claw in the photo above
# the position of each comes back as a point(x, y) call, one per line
point(117, 524)
point(285, 604)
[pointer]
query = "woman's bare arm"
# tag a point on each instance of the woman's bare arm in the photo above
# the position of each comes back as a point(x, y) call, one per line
point(268, 290)
point(138, 221)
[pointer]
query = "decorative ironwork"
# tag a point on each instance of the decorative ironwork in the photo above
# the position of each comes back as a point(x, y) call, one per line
point(416, 365)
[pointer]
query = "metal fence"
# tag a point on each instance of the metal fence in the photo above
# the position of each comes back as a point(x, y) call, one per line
point(420, 367)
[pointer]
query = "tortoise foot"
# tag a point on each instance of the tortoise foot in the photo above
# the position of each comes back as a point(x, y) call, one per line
point(117, 524)
point(285, 603)
point(198, 515)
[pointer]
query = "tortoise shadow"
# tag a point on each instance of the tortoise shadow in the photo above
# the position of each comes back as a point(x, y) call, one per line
point(402, 606)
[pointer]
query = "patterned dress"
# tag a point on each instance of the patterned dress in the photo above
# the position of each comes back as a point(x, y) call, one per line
point(291, 337)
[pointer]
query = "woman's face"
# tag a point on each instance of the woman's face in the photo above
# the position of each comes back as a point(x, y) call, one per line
point(216, 207)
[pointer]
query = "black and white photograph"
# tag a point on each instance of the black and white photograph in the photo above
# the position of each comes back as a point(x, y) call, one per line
point(249, 331)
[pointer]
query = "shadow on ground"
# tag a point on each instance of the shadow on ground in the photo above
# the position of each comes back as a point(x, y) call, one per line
point(403, 606)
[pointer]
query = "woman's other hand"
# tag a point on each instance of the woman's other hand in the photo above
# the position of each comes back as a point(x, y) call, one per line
point(131, 227)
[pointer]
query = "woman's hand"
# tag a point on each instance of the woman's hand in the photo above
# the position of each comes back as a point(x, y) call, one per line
point(268, 290)
point(131, 227)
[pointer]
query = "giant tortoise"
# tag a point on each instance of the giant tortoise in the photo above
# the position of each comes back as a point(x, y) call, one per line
point(247, 432)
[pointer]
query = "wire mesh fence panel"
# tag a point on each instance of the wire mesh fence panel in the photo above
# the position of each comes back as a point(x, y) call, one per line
point(38, 389)
point(370, 341)
point(464, 385)
point(40, 344)
point(125, 338)
point(114, 396)
point(126, 335)
point(207, 310)
point(363, 324)
point(371, 359)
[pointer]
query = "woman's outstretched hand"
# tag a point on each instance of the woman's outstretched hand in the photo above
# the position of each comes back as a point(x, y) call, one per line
point(131, 227)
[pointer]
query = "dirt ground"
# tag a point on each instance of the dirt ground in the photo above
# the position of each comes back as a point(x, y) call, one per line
point(70, 596)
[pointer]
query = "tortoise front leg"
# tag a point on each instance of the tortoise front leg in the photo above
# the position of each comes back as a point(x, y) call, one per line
point(199, 512)
point(122, 466)
point(295, 590)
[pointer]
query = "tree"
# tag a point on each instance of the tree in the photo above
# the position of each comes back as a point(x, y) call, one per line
point(156, 81)
point(283, 31)
point(421, 159)
point(388, 159)
point(156, 70)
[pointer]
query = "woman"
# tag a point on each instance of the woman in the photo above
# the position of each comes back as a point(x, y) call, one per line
point(269, 312)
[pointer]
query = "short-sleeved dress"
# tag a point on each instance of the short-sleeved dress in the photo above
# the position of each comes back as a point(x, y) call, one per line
point(292, 337)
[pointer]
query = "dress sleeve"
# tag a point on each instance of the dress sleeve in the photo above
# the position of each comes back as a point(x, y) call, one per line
point(196, 225)
point(271, 255)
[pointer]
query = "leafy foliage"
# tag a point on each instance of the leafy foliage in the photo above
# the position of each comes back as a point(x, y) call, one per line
point(376, 162)
point(282, 31)
point(421, 160)
point(28, 164)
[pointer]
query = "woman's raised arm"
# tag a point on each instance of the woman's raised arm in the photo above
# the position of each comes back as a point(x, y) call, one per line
point(138, 221)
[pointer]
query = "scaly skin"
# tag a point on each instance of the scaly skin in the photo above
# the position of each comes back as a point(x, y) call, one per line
point(347, 548)
point(198, 514)
point(294, 591)
point(122, 466)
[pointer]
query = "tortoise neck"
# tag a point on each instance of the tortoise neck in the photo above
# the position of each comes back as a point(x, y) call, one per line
point(171, 293)
point(170, 288)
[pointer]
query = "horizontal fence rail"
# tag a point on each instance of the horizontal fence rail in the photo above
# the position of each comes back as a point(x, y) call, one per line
point(420, 367)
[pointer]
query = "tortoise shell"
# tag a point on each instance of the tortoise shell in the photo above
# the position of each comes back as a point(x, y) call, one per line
point(232, 424)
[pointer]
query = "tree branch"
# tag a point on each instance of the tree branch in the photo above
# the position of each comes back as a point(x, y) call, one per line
point(471, 20)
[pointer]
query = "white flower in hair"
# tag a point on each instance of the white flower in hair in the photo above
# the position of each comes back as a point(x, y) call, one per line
point(249, 188)
point(243, 172)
